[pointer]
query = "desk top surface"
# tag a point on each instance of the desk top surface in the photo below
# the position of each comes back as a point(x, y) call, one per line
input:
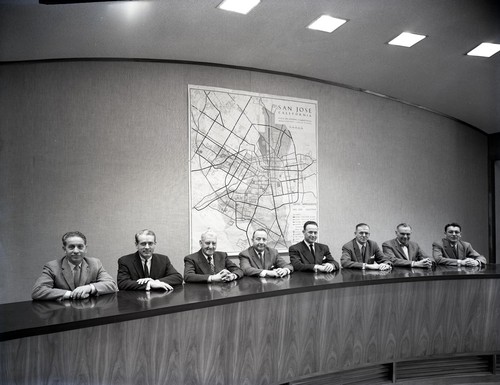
point(29, 318)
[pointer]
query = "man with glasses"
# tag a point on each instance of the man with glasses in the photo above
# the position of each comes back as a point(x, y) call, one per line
point(145, 270)
point(362, 253)
point(452, 251)
point(403, 252)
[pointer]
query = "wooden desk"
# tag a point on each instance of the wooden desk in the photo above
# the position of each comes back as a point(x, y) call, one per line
point(254, 331)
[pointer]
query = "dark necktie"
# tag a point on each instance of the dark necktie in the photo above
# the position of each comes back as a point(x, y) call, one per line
point(312, 251)
point(261, 257)
point(146, 270)
point(454, 249)
point(76, 276)
point(363, 253)
point(212, 267)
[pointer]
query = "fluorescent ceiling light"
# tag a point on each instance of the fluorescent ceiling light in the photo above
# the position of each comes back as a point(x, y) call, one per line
point(239, 6)
point(485, 50)
point(326, 23)
point(407, 39)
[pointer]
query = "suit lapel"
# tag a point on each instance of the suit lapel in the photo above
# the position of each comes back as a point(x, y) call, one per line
point(357, 251)
point(85, 272)
point(256, 259)
point(138, 265)
point(402, 252)
point(307, 253)
point(67, 273)
point(411, 251)
point(448, 249)
point(460, 250)
point(204, 265)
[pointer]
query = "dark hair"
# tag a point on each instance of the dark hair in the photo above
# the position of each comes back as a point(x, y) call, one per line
point(361, 224)
point(452, 224)
point(403, 225)
point(145, 231)
point(261, 229)
point(70, 234)
point(310, 223)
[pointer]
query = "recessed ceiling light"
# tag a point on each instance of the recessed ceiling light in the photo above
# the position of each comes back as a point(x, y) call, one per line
point(239, 6)
point(326, 23)
point(407, 39)
point(485, 50)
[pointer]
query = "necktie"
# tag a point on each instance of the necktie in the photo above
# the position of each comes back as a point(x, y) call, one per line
point(146, 270)
point(312, 250)
point(261, 257)
point(76, 276)
point(212, 267)
point(454, 248)
point(363, 252)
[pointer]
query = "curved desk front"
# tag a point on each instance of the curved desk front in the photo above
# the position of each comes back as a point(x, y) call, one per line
point(260, 331)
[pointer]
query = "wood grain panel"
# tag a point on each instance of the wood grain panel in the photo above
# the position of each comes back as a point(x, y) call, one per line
point(269, 340)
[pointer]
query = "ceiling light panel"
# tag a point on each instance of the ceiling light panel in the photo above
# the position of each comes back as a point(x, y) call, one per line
point(238, 6)
point(407, 39)
point(326, 23)
point(485, 50)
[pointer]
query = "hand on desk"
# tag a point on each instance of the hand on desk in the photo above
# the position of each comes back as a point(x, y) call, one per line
point(155, 284)
point(426, 262)
point(325, 267)
point(378, 266)
point(223, 276)
point(469, 262)
point(276, 273)
point(81, 292)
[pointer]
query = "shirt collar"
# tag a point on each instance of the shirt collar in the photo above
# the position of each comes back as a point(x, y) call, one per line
point(72, 265)
point(360, 245)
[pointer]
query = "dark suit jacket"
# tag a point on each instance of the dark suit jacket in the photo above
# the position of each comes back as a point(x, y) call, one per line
point(251, 264)
point(393, 250)
point(130, 270)
point(303, 260)
point(197, 268)
point(443, 254)
point(57, 279)
point(351, 255)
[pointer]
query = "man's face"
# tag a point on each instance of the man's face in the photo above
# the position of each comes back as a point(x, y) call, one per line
point(310, 233)
point(259, 240)
point(75, 249)
point(403, 234)
point(208, 244)
point(453, 234)
point(362, 234)
point(146, 245)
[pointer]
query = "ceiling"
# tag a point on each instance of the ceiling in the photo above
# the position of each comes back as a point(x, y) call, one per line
point(435, 73)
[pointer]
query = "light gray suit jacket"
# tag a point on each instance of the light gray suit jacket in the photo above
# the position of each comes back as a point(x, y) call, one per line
point(251, 264)
point(57, 279)
point(394, 251)
point(443, 254)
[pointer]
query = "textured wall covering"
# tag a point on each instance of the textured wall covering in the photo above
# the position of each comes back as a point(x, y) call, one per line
point(102, 147)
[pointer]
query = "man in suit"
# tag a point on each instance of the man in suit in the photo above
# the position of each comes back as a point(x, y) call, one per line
point(362, 253)
point(452, 251)
point(309, 255)
point(403, 252)
point(75, 276)
point(208, 265)
point(259, 260)
point(145, 270)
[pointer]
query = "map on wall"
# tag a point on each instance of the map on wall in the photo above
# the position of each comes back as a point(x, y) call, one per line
point(253, 164)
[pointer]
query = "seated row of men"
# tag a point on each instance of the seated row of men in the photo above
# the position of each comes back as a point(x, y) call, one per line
point(76, 276)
